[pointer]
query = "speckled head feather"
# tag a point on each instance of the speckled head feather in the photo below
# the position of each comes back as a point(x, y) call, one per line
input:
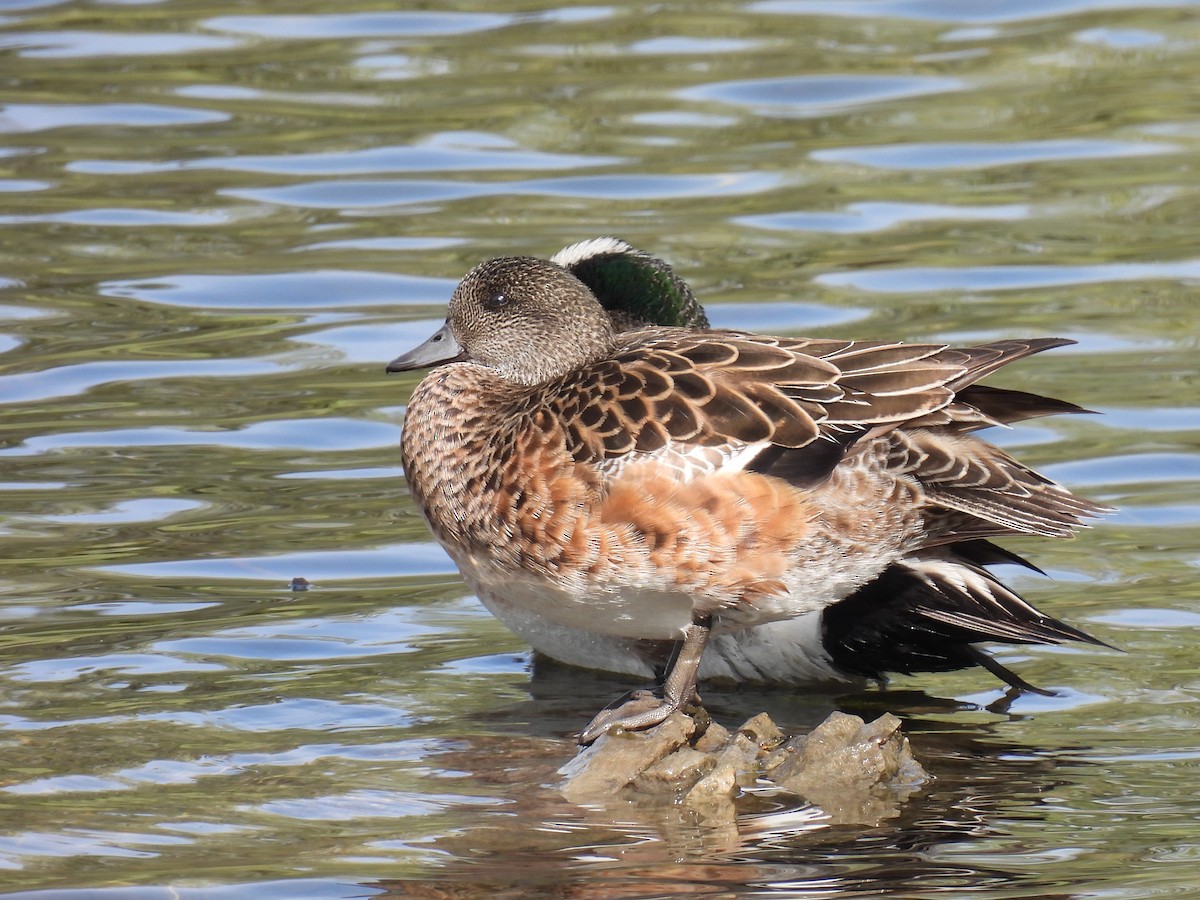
point(527, 318)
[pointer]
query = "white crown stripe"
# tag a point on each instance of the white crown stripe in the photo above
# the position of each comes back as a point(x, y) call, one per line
point(577, 253)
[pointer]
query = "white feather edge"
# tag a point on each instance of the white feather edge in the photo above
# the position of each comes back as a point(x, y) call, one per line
point(578, 252)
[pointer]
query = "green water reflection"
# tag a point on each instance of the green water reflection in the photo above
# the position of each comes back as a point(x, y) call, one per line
point(218, 221)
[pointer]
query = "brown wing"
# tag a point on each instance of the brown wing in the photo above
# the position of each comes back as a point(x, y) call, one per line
point(717, 389)
point(981, 490)
point(978, 406)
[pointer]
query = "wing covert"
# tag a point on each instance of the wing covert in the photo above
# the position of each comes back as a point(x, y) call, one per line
point(717, 389)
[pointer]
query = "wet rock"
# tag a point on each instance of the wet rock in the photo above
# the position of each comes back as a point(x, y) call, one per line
point(857, 773)
point(763, 731)
point(736, 763)
point(680, 769)
point(713, 739)
point(734, 767)
point(614, 760)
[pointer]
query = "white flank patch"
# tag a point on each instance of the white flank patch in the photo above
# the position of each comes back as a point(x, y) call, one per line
point(744, 456)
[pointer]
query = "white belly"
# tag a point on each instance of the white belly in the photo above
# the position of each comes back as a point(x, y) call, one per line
point(636, 613)
point(628, 628)
point(653, 611)
point(781, 652)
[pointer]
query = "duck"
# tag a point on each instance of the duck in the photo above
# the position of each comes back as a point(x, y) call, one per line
point(631, 490)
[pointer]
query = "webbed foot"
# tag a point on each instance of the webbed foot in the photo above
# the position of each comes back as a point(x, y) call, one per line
point(643, 709)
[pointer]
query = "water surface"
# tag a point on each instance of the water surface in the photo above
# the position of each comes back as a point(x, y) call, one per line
point(218, 222)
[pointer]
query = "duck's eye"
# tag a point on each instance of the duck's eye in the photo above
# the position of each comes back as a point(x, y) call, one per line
point(498, 300)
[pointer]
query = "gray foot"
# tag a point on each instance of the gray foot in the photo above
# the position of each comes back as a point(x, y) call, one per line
point(642, 710)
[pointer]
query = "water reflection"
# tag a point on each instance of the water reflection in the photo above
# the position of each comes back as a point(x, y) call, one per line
point(977, 156)
point(640, 849)
point(819, 94)
point(219, 223)
point(26, 117)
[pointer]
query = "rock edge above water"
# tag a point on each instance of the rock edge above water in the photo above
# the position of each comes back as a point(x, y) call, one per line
point(858, 773)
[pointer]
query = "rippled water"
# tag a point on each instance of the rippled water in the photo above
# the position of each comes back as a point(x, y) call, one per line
point(219, 221)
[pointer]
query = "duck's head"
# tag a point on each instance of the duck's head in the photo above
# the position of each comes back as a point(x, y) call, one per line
point(532, 319)
point(527, 318)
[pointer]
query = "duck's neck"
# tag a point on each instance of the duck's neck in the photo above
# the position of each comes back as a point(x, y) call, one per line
point(462, 422)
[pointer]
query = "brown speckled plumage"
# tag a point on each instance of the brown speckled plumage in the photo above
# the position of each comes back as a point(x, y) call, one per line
point(636, 484)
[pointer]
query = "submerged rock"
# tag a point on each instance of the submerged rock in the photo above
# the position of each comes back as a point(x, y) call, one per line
point(857, 773)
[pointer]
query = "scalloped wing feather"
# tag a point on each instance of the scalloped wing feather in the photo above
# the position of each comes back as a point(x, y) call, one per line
point(668, 387)
point(982, 482)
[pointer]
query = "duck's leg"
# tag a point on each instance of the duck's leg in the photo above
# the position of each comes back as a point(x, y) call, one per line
point(644, 710)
